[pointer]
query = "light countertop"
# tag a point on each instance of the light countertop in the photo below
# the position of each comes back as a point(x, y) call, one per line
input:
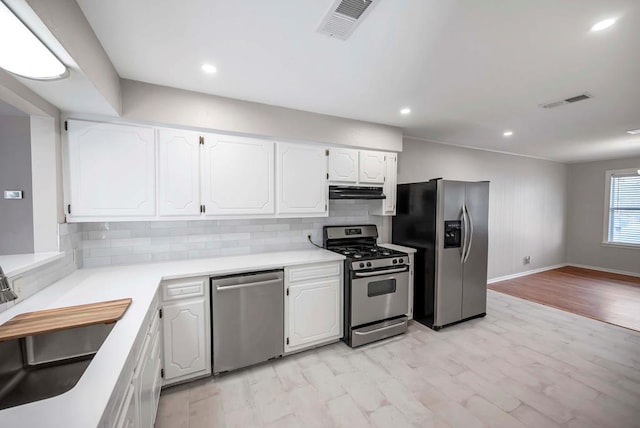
point(84, 405)
point(16, 264)
point(399, 248)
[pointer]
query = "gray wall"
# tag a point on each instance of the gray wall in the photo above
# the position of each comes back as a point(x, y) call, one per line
point(587, 184)
point(527, 202)
point(16, 216)
point(170, 106)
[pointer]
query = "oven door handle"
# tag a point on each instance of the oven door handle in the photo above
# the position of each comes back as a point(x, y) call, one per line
point(380, 272)
point(386, 327)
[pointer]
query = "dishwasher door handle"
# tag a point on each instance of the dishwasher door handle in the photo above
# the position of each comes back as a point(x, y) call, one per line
point(247, 285)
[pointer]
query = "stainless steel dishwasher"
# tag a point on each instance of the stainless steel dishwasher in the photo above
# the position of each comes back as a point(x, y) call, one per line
point(248, 319)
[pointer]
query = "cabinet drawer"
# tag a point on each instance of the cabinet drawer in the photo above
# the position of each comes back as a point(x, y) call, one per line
point(307, 272)
point(182, 289)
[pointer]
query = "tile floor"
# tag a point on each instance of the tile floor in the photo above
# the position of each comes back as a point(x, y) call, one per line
point(523, 365)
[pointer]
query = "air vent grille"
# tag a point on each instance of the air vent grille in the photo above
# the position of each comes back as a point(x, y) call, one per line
point(353, 8)
point(569, 100)
point(344, 16)
point(577, 98)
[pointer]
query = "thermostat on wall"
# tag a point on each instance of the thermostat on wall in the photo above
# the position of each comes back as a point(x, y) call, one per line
point(13, 194)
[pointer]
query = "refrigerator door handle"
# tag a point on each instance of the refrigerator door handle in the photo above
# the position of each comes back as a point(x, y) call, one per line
point(470, 233)
point(464, 233)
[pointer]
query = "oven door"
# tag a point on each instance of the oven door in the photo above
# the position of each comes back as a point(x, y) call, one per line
point(376, 296)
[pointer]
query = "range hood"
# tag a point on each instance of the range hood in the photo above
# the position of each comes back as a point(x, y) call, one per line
point(355, 192)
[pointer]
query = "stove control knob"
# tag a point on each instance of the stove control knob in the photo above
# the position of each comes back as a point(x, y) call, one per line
point(401, 261)
point(368, 264)
point(395, 261)
point(361, 265)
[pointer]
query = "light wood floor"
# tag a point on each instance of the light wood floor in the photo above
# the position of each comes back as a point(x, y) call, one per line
point(525, 364)
point(604, 296)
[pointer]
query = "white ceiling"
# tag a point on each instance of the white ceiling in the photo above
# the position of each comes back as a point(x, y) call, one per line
point(468, 69)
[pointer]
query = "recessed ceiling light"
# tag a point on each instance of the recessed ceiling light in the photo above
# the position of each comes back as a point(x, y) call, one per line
point(208, 68)
point(23, 53)
point(599, 26)
point(405, 110)
point(507, 133)
point(634, 131)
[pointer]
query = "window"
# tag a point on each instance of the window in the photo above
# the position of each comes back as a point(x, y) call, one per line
point(622, 216)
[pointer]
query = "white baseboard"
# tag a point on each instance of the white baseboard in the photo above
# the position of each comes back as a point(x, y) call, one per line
point(525, 273)
point(621, 272)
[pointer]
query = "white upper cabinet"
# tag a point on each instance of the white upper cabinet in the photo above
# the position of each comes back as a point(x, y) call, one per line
point(178, 173)
point(372, 167)
point(390, 183)
point(302, 180)
point(343, 165)
point(237, 176)
point(111, 170)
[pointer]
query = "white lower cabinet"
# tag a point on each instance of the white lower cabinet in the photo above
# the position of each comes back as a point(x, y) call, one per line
point(149, 379)
point(128, 414)
point(186, 329)
point(134, 402)
point(313, 305)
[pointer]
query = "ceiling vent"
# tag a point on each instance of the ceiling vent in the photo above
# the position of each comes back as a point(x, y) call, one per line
point(344, 16)
point(569, 100)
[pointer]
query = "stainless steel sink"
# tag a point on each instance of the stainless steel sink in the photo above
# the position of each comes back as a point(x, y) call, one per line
point(46, 365)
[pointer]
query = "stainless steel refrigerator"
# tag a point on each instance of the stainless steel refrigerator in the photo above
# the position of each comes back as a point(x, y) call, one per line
point(447, 223)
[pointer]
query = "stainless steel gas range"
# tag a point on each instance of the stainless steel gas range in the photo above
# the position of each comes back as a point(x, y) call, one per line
point(376, 284)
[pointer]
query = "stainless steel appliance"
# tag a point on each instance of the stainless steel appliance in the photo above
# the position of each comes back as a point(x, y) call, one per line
point(376, 284)
point(248, 319)
point(355, 192)
point(447, 222)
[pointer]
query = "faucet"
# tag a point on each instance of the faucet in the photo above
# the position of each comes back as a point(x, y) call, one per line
point(6, 293)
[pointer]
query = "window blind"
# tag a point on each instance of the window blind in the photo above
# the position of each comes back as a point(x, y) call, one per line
point(624, 209)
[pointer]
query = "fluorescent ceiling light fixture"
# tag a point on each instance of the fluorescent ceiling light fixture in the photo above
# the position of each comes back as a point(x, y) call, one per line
point(507, 133)
point(405, 110)
point(634, 131)
point(208, 68)
point(599, 26)
point(22, 53)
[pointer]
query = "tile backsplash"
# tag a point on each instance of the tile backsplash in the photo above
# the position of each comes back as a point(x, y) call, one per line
point(111, 243)
point(70, 240)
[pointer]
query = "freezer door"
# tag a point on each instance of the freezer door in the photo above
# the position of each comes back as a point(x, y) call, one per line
point(474, 292)
point(449, 279)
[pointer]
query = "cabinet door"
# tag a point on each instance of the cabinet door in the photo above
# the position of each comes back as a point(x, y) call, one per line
point(149, 381)
point(314, 312)
point(302, 179)
point(183, 325)
point(343, 165)
point(178, 172)
point(238, 176)
point(111, 169)
point(128, 414)
point(390, 183)
point(372, 167)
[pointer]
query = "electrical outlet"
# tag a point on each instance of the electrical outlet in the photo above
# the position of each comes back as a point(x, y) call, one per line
point(527, 260)
point(18, 286)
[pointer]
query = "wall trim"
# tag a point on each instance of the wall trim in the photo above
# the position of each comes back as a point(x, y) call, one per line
point(620, 272)
point(525, 273)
